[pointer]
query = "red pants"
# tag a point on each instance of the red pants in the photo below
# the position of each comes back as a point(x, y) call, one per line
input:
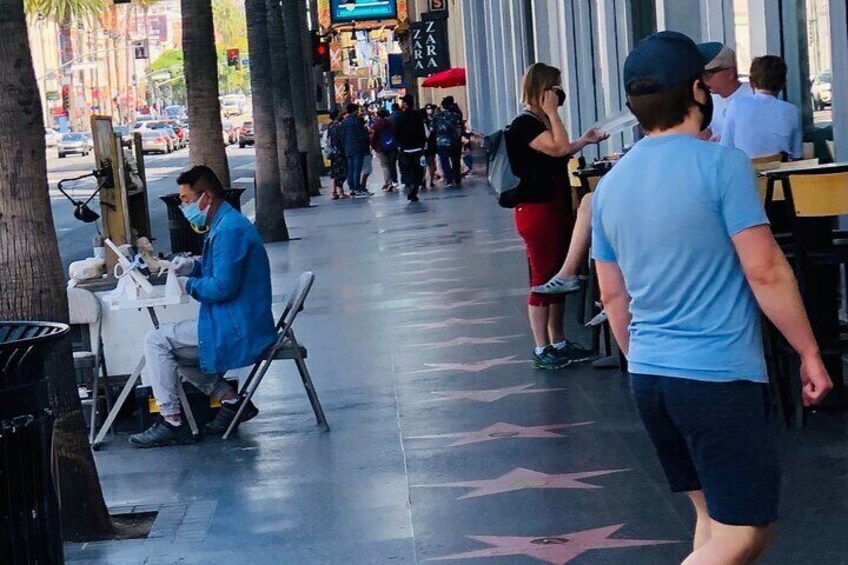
point(546, 231)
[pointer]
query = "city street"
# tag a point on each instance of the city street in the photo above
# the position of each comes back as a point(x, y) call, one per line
point(162, 171)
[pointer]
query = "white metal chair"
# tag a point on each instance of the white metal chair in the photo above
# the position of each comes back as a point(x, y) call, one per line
point(286, 347)
point(84, 309)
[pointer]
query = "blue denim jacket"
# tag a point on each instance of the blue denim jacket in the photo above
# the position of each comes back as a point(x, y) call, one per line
point(232, 282)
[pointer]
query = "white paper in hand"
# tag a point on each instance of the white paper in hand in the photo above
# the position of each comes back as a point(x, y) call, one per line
point(617, 122)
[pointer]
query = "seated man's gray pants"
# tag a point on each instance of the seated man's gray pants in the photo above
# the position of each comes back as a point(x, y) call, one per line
point(170, 353)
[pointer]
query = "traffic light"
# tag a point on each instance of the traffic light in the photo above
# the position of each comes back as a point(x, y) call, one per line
point(320, 53)
point(66, 99)
point(232, 57)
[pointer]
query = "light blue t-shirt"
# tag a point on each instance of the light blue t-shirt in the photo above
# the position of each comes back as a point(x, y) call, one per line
point(763, 125)
point(665, 214)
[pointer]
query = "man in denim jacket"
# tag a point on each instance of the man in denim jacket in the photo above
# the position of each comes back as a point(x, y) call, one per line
point(232, 282)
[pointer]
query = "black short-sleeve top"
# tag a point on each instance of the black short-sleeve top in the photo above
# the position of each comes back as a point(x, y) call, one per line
point(535, 169)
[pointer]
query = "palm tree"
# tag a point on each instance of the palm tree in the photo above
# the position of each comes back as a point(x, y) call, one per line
point(269, 198)
point(33, 278)
point(302, 99)
point(295, 193)
point(201, 77)
point(64, 13)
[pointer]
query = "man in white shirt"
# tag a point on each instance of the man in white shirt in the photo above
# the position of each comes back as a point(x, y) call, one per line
point(722, 78)
point(762, 124)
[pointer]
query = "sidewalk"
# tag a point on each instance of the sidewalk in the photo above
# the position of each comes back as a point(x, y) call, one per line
point(445, 442)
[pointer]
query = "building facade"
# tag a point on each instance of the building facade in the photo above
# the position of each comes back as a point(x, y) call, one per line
point(590, 39)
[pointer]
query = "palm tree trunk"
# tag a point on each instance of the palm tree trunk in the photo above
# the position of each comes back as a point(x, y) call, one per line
point(314, 136)
point(299, 92)
point(201, 77)
point(33, 279)
point(269, 197)
point(292, 179)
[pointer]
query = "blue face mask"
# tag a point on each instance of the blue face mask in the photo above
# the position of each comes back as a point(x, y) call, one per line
point(195, 216)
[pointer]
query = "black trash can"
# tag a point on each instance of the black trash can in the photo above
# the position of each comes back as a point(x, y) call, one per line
point(29, 511)
point(183, 238)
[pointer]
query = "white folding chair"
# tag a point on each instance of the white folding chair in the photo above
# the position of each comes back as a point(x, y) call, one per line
point(286, 347)
point(84, 309)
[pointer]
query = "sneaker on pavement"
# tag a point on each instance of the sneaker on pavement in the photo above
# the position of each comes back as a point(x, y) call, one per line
point(575, 353)
point(161, 434)
point(227, 413)
point(558, 285)
point(550, 360)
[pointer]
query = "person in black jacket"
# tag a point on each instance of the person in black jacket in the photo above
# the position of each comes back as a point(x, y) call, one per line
point(356, 143)
point(412, 139)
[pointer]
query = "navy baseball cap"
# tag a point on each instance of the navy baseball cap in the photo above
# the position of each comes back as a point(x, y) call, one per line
point(660, 62)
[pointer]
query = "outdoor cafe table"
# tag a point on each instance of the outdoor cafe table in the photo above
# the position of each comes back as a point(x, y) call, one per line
point(821, 282)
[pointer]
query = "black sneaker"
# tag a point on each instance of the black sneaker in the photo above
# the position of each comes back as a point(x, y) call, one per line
point(225, 415)
point(550, 360)
point(161, 434)
point(574, 352)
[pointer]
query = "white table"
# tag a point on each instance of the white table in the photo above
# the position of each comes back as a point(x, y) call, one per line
point(151, 301)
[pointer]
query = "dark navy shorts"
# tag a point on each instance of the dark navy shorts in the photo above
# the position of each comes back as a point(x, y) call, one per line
point(714, 437)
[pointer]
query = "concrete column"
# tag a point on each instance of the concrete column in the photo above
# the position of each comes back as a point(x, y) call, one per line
point(839, 57)
point(764, 27)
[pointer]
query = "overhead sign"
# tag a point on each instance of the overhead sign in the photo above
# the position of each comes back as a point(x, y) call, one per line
point(438, 5)
point(430, 52)
point(344, 11)
point(395, 64)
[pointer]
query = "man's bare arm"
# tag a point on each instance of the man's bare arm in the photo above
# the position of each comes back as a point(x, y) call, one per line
point(616, 301)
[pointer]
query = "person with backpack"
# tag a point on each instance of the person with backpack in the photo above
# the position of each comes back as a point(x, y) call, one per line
point(385, 145)
point(539, 149)
point(447, 128)
point(411, 136)
point(356, 148)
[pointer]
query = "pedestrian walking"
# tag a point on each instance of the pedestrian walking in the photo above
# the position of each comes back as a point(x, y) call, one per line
point(432, 173)
point(385, 146)
point(686, 263)
point(447, 128)
point(356, 147)
point(539, 149)
point(412, 139)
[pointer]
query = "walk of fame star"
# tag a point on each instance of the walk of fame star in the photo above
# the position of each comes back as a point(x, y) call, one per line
point(521, 479)
point(458, 341)
point(556, 550)
point(470, 367)
point(451, 322)
point(502, 430)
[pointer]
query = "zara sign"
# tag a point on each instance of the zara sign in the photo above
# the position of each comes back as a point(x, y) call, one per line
point(430, 52)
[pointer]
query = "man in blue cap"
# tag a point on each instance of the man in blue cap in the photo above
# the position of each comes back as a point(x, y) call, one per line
point(684, 258)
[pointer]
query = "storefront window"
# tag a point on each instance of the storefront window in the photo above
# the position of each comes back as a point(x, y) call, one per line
point(742, 32)
point(818, 52)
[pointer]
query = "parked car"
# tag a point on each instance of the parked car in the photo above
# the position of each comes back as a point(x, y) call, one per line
point(155, 140)
point(175, 112)
point(180, 131)
point(73, 143)
point(232, 105)
point(51, 137)
point(247, 134)
point(821, 90)
point(157, 125)
point(231, 132)
point(126, 135)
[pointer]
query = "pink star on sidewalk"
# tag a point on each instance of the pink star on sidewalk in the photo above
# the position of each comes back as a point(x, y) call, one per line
point(451, 322)
point(457, 341)
point(490, 395)
point(502, 430)
point(477, 367)
point(521, 479)
point(556, 550)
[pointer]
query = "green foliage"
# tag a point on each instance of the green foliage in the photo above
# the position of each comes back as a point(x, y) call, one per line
point(172, 61)
point(230, 33)
point(63, 10)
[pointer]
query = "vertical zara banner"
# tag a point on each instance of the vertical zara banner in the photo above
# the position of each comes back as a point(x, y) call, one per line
point(430, 53)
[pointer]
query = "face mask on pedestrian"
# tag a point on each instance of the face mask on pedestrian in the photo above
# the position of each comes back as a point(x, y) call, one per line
point(706, 108)
point(195, 216)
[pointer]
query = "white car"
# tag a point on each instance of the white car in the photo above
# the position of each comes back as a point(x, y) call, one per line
point(821, 90)
point(51, 137)
point(155, 140)
point(77, 143)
